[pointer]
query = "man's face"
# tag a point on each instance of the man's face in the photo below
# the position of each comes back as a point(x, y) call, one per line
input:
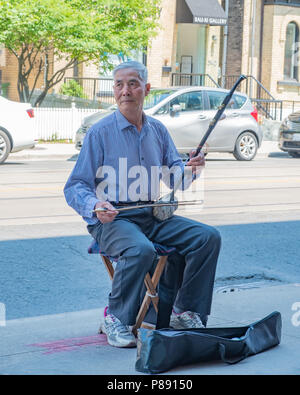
point(129, 90)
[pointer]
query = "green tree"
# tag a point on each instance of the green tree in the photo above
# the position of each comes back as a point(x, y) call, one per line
point(40, 32)
point(72, 88)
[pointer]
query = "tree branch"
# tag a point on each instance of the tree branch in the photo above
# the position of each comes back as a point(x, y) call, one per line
point(39, 71)
point(55, 79)
point(30, 61)
point(59, 74)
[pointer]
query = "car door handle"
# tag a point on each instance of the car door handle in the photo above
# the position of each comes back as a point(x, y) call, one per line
point(235, 114)
point(201, 116)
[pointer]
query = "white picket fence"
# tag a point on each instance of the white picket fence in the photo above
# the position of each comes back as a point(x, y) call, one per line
point(62, 123)
point(58, 123)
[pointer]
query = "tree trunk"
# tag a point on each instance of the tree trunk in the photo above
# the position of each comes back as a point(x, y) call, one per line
point(35, 67)
point(41, 97)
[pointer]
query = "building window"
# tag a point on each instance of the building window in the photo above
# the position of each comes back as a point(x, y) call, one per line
point(290, 52)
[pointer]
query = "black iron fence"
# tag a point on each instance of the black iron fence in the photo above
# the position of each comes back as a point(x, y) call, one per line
point(251, 86)
point(291, 105)
point(97, 89)
point(100, 90)
point(189, 79)
point(271, 109)
point(265, 103)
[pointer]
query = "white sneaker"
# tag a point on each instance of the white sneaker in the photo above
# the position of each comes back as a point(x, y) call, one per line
point(185, 320)
point(118, 334)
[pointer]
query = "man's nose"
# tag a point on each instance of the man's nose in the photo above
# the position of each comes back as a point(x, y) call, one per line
point(126, 90)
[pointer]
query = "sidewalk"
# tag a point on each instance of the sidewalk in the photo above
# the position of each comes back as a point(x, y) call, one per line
point(69, 344)
point(57, 151)
point(47, 151)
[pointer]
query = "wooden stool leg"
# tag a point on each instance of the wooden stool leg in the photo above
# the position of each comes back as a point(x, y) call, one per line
point(151, 294)
point(151, 291)
point(109, 266)
point(151, 284)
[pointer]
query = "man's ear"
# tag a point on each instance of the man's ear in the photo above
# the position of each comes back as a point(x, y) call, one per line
point(147, 87)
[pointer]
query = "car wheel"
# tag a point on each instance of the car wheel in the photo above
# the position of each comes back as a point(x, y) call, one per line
point(294, 154)
point(5, 146)
point(245, 147)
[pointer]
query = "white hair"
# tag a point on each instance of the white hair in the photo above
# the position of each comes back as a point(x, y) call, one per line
point(137, 66)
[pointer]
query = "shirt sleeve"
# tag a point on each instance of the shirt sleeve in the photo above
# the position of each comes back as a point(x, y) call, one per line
point(79, 191)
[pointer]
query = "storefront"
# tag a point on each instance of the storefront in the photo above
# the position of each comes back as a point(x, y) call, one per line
point(191, 38)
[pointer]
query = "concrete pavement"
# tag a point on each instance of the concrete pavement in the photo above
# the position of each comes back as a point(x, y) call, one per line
point(55, 151)
point(47, 151)
point(69, 344)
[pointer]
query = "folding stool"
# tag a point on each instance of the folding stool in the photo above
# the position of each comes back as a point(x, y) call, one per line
point(151, 283)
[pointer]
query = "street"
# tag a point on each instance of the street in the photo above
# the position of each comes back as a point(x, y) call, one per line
point(45, 267)
point(189, 68)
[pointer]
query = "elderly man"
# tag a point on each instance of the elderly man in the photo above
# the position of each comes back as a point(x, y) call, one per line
point(103, 177)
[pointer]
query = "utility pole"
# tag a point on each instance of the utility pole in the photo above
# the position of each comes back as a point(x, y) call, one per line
point(253, 21)
point(224, 56)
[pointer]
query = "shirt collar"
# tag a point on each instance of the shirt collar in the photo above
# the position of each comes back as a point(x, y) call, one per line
point(123, 123)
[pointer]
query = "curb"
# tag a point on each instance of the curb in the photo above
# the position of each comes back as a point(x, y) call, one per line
point(69, 152)
point(44, 157)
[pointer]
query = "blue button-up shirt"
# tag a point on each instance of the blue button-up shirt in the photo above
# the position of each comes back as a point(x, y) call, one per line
point(119, 163)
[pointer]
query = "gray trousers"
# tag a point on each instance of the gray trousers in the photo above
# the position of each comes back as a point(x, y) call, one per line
point(189, 273)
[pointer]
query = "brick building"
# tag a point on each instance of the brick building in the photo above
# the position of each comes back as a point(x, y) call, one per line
point(9, 73)
point(190, 41)
point(263, 41)
point(216, 37)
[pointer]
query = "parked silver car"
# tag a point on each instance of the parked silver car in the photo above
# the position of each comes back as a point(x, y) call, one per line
point(289, 135)
point(187, 112)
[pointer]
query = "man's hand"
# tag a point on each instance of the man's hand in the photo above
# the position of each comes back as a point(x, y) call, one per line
point(106, 216)
point(197, 161)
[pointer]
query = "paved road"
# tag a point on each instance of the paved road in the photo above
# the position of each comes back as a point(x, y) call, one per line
point(44, 265)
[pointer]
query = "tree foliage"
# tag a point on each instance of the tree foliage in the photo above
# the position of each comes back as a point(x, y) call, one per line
point(39, 31)
point(72, 88)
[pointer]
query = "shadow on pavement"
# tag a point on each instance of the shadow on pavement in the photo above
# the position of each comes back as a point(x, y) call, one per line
point(279, 155)
point(50, 276)
point(56, 275)
point(73, 158)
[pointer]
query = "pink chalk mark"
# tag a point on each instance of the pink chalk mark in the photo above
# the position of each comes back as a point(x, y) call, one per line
point(71, 344)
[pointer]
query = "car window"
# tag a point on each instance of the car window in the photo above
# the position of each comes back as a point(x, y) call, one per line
point(191, 101)
point(155, 96)
point(239, 100)
point(216, 99)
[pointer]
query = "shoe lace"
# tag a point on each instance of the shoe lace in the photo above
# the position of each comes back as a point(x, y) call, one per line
point(193, 319)
point(115, 325)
